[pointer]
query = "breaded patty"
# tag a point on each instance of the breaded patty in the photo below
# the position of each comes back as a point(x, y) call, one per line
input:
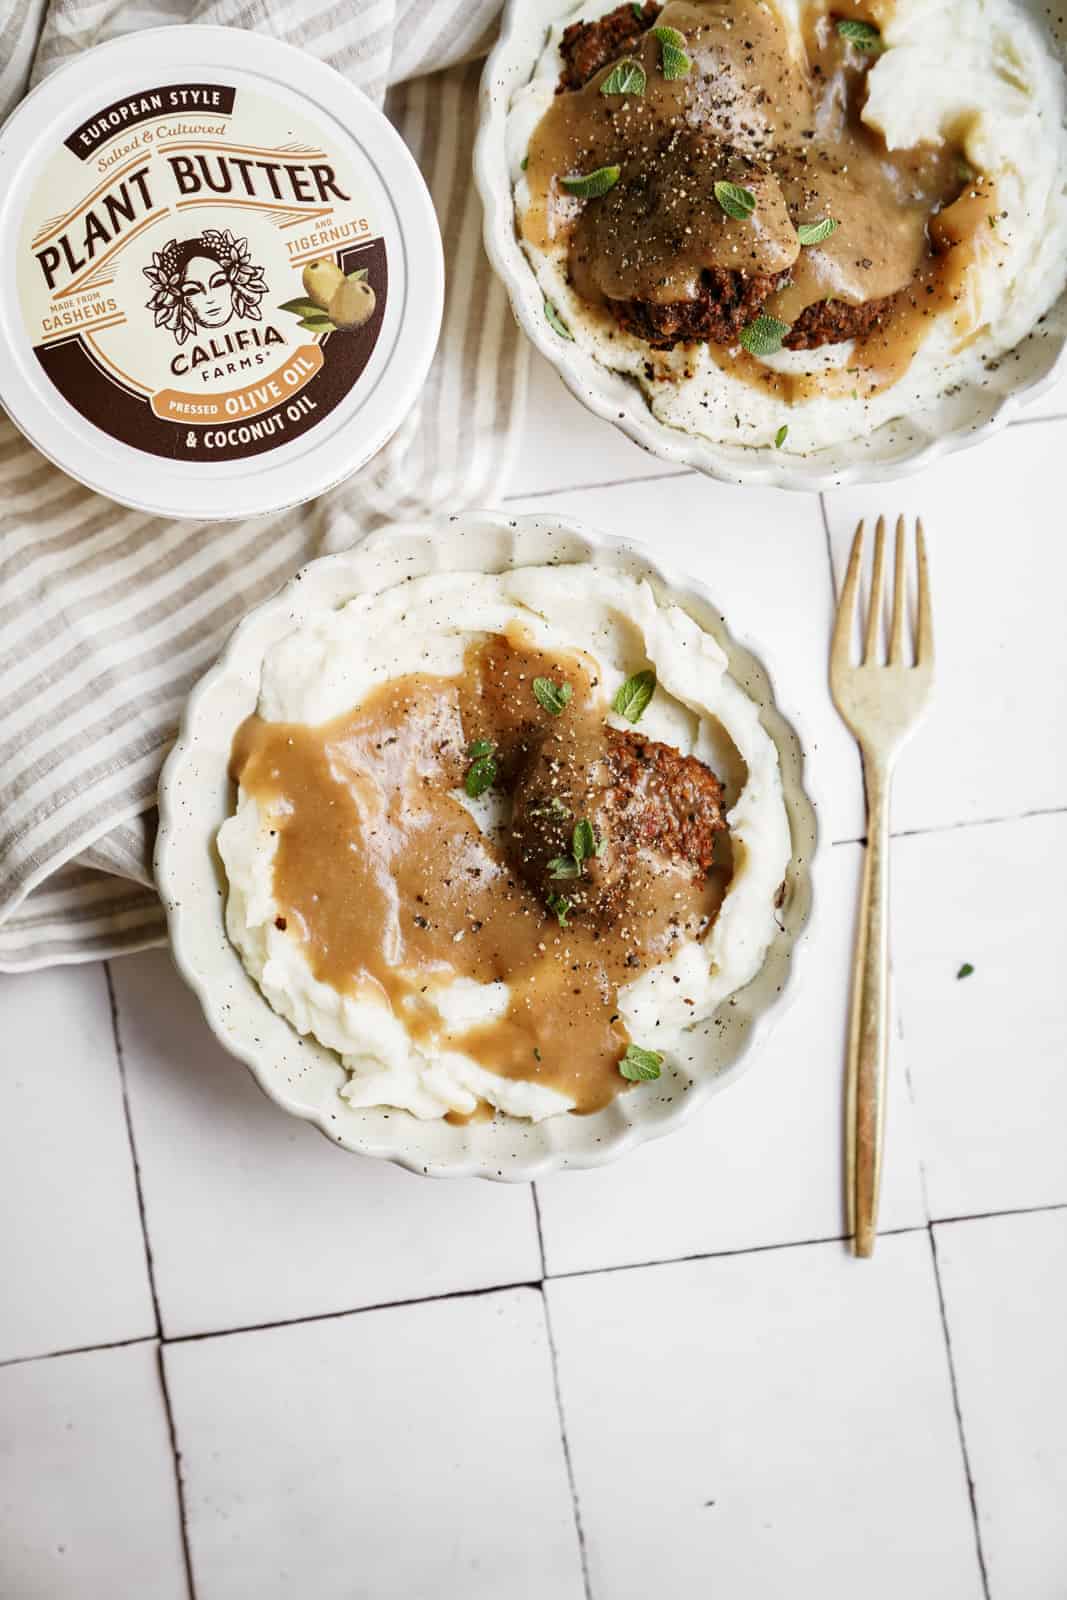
point(588, 46)
point(728, 302)
point(641, 798)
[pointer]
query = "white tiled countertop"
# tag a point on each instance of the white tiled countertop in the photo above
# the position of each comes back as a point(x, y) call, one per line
point(237, 1362)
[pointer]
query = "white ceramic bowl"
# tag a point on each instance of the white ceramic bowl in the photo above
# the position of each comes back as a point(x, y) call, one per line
point(895, 450)
point(195, 797)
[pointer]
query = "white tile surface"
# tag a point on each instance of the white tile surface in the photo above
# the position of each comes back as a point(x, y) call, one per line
point(88, 1494)
point(255, 1217)
point(72, 1257)
point(762, 554)
point(1005, 1299)
point(562, 444)
point(802, 1393)
point(987, 1053)
point(995, 742)
point(394, 1454)
point(763, 1162)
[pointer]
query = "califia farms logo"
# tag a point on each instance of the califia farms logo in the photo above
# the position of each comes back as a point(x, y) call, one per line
point(204, 282)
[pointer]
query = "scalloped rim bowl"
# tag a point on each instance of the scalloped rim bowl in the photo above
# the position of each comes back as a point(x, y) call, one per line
point(895, 450)
point(303, 1077)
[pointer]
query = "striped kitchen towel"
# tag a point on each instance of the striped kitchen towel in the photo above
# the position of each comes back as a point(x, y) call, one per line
point(108, 616)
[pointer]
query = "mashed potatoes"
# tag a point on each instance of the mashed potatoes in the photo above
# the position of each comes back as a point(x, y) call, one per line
point(977, 73)
point(330, 665)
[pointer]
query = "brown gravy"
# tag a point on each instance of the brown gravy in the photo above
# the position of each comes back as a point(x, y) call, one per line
point(790, 130)
point(394, 892)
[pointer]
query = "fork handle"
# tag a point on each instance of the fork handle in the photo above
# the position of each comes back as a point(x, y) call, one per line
point(868, 1044)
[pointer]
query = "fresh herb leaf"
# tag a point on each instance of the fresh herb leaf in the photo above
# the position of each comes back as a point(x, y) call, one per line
point(781, 436)
point(672, 57)
point(480, 747)
point(583, 841)
point(564, 867)
point(640, 1066)
point(965, 971)
point(632, 699)
point(764, 336)
point(737, 202)
point(556, 322)
point(481, 775)
point(559, 905)
point(864, 35)
point(551, 697)
point(638, 11)
point(591, 185)
point(625, 77)
point(817, 232)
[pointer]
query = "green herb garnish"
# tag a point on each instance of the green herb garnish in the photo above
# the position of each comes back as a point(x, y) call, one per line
point(524, 163)
point(564, 867)
point(559, 905)
point(481, 774)
point(764, 336)
point(965, 971)
point(781, 436)
point(583, 841)
point(625, 77)
point(551, 697)
point(864, 35)
point(817, 232)
point(556, 322)
point(584, 844)
point(632, 699)
point(591, 185)
point(640, 1066)
point(737, 202)
point(638, 11)
point(672, 57)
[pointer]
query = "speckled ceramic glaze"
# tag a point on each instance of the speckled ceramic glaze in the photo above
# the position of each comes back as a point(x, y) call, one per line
point(301, 1075)
point(962, 417)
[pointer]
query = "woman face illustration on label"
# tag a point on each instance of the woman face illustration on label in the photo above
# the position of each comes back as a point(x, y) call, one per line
point(204, 282)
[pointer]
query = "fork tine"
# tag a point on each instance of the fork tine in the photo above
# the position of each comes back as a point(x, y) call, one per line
point(924, 654)
point(841, 649)
point(874, 614)
point(896, 638)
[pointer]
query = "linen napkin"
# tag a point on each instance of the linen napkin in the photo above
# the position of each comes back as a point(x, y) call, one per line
point(108, 616)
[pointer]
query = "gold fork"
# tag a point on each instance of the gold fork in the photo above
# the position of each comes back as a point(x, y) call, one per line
point(882, 704)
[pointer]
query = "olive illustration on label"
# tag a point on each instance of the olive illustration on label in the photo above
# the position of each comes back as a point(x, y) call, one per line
point(352, 304)
point(321, 280)
point(334, 302)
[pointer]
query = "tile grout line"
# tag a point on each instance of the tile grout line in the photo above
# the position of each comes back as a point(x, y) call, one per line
point(351, 1311)
point(722, 1255)
point(78, 1350)
point(990, 1216)
point(150, 1266)
point(967, 822)
point(971, 1493)
point(1037, 422)
point(176, 1456)
point(540, 1230)
point(610, 483)
point(565, 1441)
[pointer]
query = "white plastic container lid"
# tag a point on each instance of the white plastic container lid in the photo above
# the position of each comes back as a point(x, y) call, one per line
point(161, 337)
